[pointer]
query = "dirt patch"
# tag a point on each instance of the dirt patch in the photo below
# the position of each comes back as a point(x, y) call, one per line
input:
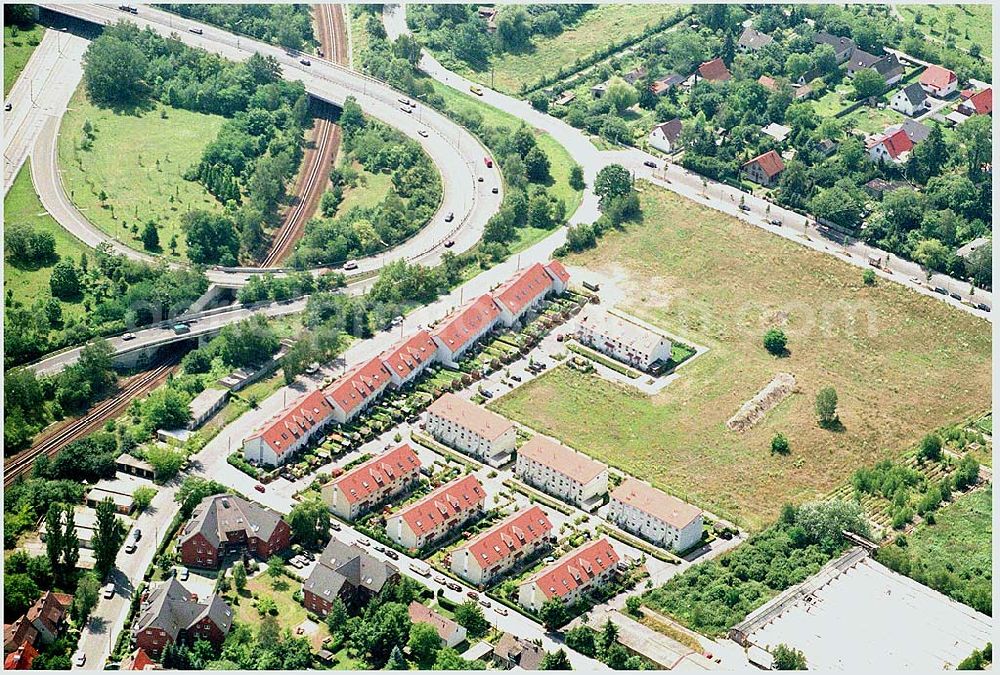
point(751, 412)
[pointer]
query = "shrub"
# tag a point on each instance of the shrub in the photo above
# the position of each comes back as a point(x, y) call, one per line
point(779, 445)
point(775, 341)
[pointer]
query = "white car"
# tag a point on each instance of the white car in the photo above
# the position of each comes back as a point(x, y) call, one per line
point(109, 591)
point(128, 336)
point(422, 132)
point(79, 660)
point(131, 548)
point(183, 573)
point(364, 542)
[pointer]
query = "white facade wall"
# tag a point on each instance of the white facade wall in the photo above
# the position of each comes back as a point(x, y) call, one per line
point(336, 499)
point(465, 564)
point(493, 452)
point(558, 484)
point(658, 140)
point(615, 348)
point(531, 597)
point(652, 529)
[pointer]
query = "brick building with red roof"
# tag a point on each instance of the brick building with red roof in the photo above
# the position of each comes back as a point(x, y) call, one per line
point(571, 576)
point(714, 71)
point(410, 357)
point(279, 439)
point(40, 625)
point(460, 331)
point(764, 169)
point(502, 547)
point(369, 484)
point(20, 658)
point(449, 507)
point(979, 103)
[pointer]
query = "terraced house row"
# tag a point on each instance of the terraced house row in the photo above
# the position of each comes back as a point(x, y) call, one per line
point(292, 430)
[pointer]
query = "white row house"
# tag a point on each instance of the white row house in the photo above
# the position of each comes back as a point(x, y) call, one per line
point(623, 340)
point(562, 472)
point(372, 482)
point(657, 517)
point(471, 429)
point(450, 506)
point(502, 547)
point(571, 576)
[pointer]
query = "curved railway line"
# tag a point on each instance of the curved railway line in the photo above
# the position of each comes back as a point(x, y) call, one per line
point(50, 444)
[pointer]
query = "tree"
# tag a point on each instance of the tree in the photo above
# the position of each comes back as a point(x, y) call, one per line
point(576, 180)
point(536, 164)
point(85, 597)
point(109, 534)
point(932, 254)
point(581, 639)
point(211, 238)
point(553, 614)
point(775, 341)
point(826, 406)
point(19, 592)
point(310, 521)
point(470, 616)
point(275, 566)
point(336, 619)
point(979, 265)
point(557, 660)
point(54, 537)
point(967, 472)
point(166, 461)
point(114, 71)
point(779, 445)
point(930, 447)
point(387, 626)
point(539, 101)
point(143, 497)
point(788, 658)
point(248, 343)
point(868, 277)
point(239, 575)
point(150, 236)
point(513, 32)
point(193, 490)
point(396, 659)
point(867, 83)
point(166, 408)
point(620, 94)
point(612, 181)
point(64, 282)
point(424, 644)
point(26, 247)
point(607, 637)
point(836, 205)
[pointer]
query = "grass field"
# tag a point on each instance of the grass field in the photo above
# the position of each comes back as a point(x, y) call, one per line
point(971, 23)
point(559, 157)
point(902, 364)
point(372, 188)
point(17, 50)
point(21, 205)
point(594, 31)
point(872, 120)
point(139, 161)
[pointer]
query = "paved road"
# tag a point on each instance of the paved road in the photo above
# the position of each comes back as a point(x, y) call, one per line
point(688, 184)
point(41, 93)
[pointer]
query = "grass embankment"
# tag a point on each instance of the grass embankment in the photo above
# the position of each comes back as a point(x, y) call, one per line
point(17, 50)
point(139, 161)
point(972, 24)
point(902, 364)
point(371, 189)
point(21, 205)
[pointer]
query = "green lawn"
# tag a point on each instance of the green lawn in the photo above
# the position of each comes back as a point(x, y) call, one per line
point(139, 161)
point(371, 189)
point(970, 24)
point(290, 613)
point(834, 100)
point(559, 157)
point(872, 120)
point(21, 205)
point(17, 50)
point(715, 281)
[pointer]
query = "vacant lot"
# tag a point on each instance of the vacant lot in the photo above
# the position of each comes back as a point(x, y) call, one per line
point(969, 24)
point(21, 205)
point(138, 161)
point(17, 50)
point(902, 364)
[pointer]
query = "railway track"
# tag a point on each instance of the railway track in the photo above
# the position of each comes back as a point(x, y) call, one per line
point(50, 444)
point(331, 31)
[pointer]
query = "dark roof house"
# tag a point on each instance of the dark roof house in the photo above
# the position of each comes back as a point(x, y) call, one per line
point(348, 572)
point(752, 39)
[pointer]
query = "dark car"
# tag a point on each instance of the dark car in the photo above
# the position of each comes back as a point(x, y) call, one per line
point(305, 62)
point(391, 554)
point(449, 243)
point(495, 190)
point(776, 221)
point(453, 586)
point(938, 289)
point(7, 106)
point(651, 165)
point(956, 296)
point(744, 207)
point(983, 307)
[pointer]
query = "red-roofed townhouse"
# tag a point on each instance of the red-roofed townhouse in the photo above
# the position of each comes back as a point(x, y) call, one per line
point(522, 293)
point(980, 103)
point(139, 660)
point(358, 389)
point(892, 147)
point(560, 277)
point(409, 358)
point(472, 429)
point(288, 433)
point(21, 658)
point(938, 81)
point(460, 331)
point(764, 169)
point(714, 71)
point(371, 483)
point(502, 547)
point(40, 625)
point(447, 508)
point(571, 576)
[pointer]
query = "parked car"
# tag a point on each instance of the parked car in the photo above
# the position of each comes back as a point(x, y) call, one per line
point(983, 307)
point(473, 595)
point(776, 222)
point(196, 31)
point(449, 243)
point(406, 109)
point(335, 526)
point(131, 548)
point(296, 563)
point(516, 378)
point(420, 568)
point(305, 62)
point(453, 586)
point(404, 101)
point(479, 179)
point(351, 265)
point(501, 610)
point(379, 547)
point(397, 321)
point(495, 190)
point(364, 542)
point(942, 291)
point(478, 91)
point(486, 392)
point(956, 296)
point(485, 603)
point(109, 591)
point(137, 534)
point(128, 336)
point(391, 554)
point(79, 659)
point(183, 574)
point(650, 164)
point(744, 207)
point(440, 579)
point(7, 106)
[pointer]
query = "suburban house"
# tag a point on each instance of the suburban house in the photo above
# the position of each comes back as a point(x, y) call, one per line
point(289, 432)
point(896, 142)
point(752, 39)
point(978, 103)
point(657, 517)
point(938, 81)
point(916, 131)
point(40, 625)
point(562, 472)
point(843, 47)
point(764, 169)
point(560, 277)
point(206, 404)
point(489, 15)
point(169, 614)
point(714, 71)
point(522, 293)
point(139, 660)
point(635, 75)
point(890, 68)
point(597, 91)
point(21, 658)
point(571, 576)
point(449, 631)
point(621, 339)
point(861, 60)
point(437, 514)
point(461, 330)
point(409, 358)
point(662, 85)
point(566, 98)
point(371, 483)
point(474, 430)
point(778, 132)
point(502, 547)
point(666, 136)
point(911, 100)
point(355, 391)
point(347, 572)
point(225, 524)
point(514, 652)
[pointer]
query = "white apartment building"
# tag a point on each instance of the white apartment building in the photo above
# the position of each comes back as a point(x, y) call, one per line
point(562, 472)
point(621, 339)
point(503, 547)
point(571, 576)
point(657, 517)
point(434, 516)
point(471, 429)
point(372, 482)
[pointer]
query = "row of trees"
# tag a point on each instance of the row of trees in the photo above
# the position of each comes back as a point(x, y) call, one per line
point(287, 25)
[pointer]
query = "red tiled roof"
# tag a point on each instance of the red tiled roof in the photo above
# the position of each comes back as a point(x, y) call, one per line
point(18, 632)
point(459, 329)
point(511, 535)
point(374, 474)
point(938, 77)
point(410, 354)
point(477, 419)
point(556, 269)
point(297, 420)
point(896, 143)
point(714, 70)
point(445, 627)
point(49, 609)
point(770, 163)
point(559, 458)
point(982, 101)
point(576, 569)
point(359, 385)
point(20, 659)
point(768, 82)
point(524, 289)
point(137, 660)
point(448, 501)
